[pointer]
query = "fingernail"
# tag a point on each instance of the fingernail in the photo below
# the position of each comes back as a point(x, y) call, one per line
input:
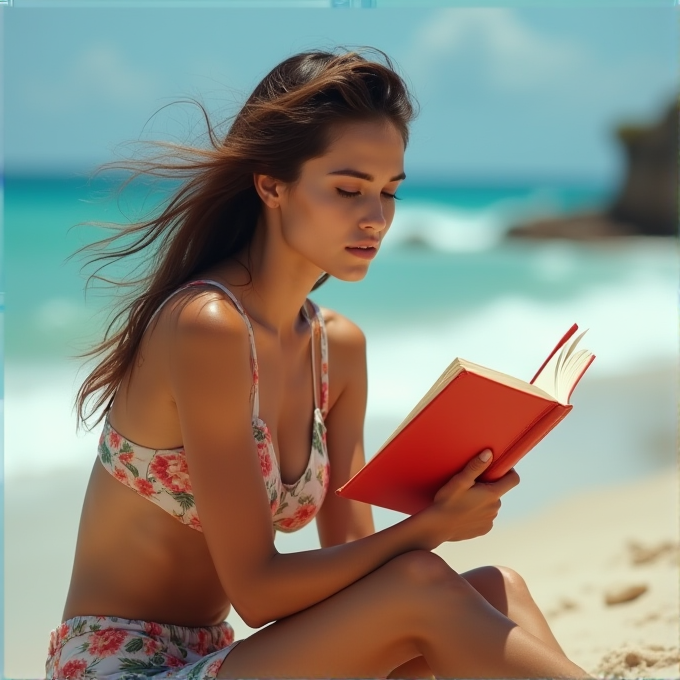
point(485, 456)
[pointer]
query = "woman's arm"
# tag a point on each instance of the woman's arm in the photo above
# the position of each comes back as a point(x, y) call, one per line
point(340, 520)
point(211, 380)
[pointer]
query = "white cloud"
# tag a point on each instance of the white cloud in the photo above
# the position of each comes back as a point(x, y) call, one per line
point(100, 74)
point(512, 54)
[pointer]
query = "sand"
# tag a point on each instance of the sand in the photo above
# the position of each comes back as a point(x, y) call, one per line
point(602, 565)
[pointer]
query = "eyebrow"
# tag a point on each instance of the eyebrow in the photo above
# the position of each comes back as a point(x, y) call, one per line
point(349, 172)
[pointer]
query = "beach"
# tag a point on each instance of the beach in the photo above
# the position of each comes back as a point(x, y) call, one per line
point(616, 542)
point(603, 567)
point(595, 515)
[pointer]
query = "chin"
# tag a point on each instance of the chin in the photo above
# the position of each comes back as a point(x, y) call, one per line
point(356, 275)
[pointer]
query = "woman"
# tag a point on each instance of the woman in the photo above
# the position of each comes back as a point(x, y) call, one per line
point(224, 374)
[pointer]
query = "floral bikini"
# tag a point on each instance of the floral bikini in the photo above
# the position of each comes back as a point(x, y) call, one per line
point(124, 649)
point(162, 475)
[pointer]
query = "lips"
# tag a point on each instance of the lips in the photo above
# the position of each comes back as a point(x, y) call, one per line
point(365, 244)
point(364, 252)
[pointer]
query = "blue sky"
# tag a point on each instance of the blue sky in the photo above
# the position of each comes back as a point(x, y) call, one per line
point(505, 93)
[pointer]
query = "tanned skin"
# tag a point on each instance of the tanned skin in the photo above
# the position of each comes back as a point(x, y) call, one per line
point(365, 604)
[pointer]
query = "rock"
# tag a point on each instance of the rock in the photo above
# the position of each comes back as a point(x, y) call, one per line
point(649, 196)
point(647, 202)
point(592, 226)
point(640, 554)
point(625, 593)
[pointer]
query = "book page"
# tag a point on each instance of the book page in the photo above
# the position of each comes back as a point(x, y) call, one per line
point(564, 369)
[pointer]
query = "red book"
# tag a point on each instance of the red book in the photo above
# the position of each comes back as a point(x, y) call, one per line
point(469, 408)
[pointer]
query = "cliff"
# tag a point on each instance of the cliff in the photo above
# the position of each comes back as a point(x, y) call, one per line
point(647, 201)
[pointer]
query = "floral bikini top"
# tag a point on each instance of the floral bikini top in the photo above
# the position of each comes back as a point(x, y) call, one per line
point(162, 475)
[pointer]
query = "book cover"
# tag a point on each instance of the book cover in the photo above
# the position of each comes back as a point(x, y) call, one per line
point(476, 409)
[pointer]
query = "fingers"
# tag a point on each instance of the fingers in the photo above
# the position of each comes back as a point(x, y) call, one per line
point(508, 481)
point(467, 476)
point(476, 466)
point(465, 479)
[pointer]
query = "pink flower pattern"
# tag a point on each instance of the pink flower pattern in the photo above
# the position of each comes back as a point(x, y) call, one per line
point(154, 629)
point(74, 669)
point(105, 642)
point(162, 475)
point(89, 647)
point(171, 470)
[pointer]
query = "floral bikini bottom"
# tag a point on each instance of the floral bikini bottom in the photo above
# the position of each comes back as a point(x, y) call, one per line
point(111, 648)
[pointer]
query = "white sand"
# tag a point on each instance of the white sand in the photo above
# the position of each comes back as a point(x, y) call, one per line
point(579, 551)
point(570, 556)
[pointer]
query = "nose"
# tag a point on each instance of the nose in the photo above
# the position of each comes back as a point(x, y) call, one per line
point(374, 217)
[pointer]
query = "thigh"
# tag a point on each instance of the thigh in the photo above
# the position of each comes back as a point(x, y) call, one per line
point(366, 630)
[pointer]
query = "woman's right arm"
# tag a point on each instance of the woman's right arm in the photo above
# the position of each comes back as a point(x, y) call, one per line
point(209, 368)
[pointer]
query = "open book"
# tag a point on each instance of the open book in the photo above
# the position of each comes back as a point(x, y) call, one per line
point(468, 409)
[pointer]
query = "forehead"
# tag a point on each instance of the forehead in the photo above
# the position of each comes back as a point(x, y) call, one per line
point(376, 148)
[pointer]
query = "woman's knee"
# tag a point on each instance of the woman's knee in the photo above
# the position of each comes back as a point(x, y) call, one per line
point(512, 580)
point(426, 584)
point(421, 569)
point(499, 585)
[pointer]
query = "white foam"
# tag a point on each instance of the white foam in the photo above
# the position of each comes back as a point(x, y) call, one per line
point(39, 421)
point(633, 326)
point(455, 229)
point(447, 229)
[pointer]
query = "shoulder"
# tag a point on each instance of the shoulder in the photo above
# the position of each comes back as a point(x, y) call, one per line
point(345, 338)
point(203, 314)
point(204, 333)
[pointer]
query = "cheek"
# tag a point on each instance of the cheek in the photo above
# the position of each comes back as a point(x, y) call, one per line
point(311, 217)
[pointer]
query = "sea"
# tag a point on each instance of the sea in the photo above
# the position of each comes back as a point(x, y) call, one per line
point(447, 283)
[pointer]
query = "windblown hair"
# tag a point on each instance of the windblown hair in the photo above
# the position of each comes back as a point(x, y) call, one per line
point(287, 120)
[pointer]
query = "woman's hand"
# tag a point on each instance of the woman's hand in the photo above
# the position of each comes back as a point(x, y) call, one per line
point(464, 508)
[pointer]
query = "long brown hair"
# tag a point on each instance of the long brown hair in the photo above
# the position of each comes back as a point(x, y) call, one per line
point(286, 121)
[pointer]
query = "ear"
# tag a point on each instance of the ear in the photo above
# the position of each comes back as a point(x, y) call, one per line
point(269, 190)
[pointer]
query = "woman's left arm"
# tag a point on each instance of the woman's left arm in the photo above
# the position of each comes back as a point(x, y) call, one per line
point(340, 520)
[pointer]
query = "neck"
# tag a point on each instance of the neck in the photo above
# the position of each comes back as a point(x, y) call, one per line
point(271, 281)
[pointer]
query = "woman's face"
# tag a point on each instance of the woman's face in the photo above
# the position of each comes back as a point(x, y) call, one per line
point(340, 209)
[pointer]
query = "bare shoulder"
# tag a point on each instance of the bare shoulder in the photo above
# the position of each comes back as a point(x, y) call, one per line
point(205, 317)
point(345, 338)
point(207, 340)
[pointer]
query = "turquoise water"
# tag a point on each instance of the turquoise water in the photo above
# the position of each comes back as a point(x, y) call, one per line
point(446, 284)
point(46, 307)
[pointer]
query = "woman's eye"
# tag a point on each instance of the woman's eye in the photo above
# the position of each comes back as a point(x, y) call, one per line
point(347, 194)
point(391, 196)
point(351, 194)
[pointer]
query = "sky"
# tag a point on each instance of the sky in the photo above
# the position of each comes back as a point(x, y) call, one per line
point(506, 93)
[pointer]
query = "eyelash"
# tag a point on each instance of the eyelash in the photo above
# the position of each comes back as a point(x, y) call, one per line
point(352, 194)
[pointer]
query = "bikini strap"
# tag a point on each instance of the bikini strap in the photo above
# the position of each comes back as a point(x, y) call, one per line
point(254, 396)
point(315, 319)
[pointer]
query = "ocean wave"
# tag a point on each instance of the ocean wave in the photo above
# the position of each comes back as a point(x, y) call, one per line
point(632, 322)
point(457, 229)
point(632, 326)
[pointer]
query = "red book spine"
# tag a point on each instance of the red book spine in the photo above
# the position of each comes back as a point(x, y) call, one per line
point(534, 433)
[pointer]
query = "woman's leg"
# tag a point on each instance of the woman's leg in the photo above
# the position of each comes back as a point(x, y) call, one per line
point(414, 605)
point(506, 590)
